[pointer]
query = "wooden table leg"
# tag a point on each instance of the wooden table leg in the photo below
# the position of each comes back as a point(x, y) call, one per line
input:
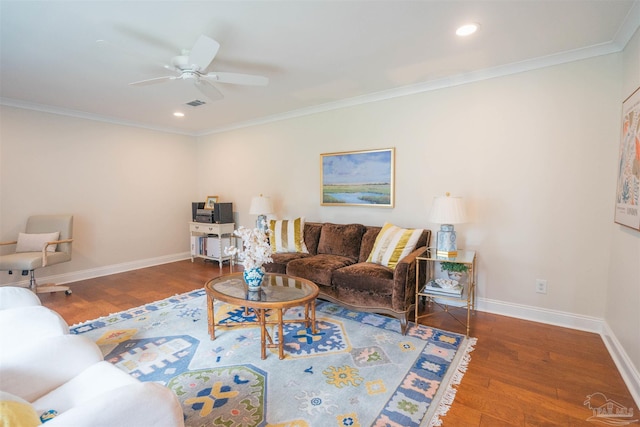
point(210, 317)
point(313, 316)
point(263, 332)
point(280, 334)
point(307, 319)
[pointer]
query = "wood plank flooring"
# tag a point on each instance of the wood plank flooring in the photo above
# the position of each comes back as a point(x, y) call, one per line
point(521, 373)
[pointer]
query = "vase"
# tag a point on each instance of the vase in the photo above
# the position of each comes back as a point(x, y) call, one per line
point(456, 275)
point(254, 295)
point(253, 278)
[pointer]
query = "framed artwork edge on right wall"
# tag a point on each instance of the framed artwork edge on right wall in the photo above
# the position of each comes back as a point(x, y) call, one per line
point(627, 210)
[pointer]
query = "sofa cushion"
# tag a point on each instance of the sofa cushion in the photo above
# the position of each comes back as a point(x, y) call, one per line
point(280, 261)
point(365, 277)
point(368, 240)
point(312, 236)
point(392, 244)
point(90, 383)
point(287, 235)
point(317, 268)
point(341, 239)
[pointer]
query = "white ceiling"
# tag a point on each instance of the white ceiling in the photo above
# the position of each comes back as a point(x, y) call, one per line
point(317, 54)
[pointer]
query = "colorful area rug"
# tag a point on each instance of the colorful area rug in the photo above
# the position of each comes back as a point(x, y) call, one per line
point(356, 370)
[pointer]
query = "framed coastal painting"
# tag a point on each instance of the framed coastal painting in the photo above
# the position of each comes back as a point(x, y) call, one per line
point(358, 178)
point(628, 185)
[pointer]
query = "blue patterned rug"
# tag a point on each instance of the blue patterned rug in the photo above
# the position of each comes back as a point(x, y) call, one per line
point(356, 370)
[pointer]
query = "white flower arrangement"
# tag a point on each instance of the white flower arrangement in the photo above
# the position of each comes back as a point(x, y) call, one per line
point(255, 248)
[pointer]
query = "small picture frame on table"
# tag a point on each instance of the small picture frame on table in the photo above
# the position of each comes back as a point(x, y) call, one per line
point(210, 202)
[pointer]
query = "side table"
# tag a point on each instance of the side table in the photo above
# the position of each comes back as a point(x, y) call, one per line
point(278, 293)
point(208, 241)
point(436, 287)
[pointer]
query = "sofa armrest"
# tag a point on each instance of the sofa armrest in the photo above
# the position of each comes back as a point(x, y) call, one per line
point(404, 281)
point(47, 244)
point(34, 370)
point(141, 404)
point(22, 326)
point(15, 297)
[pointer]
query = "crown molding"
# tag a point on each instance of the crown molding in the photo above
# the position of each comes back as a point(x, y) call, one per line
point(629, 26)
point(9, 102)
point(446, 82)
point(621, 39)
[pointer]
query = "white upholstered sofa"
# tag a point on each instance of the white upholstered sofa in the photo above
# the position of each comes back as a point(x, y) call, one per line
point(48, 375)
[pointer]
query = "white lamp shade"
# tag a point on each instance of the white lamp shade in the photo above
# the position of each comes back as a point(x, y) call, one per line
point(260, 205)
point(448, 210)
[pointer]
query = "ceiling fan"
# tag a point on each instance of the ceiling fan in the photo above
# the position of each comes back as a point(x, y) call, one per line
point(193, 65)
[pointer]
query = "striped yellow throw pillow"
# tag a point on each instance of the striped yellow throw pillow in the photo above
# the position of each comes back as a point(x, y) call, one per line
point(392, 244)
point(287, 235)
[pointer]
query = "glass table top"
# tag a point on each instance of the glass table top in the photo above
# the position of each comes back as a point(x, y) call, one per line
point(465, 257)
point(276, 288)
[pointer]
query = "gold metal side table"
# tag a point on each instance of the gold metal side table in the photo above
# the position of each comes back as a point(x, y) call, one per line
point(435, 288)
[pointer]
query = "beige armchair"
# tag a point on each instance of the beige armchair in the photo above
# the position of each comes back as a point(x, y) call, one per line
point(46, 241)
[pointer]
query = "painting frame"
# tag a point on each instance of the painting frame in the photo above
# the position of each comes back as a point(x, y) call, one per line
point(210, 202)
point(627, 209)
point(358, 178)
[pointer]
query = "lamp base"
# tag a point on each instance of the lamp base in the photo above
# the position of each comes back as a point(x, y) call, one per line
point(446, 245)
point(261, 223)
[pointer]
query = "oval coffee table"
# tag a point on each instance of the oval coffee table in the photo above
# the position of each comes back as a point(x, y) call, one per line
point(278, 292)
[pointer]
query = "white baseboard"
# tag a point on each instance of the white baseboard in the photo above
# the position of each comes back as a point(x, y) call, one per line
point(92, 273)
point(542, 315)
point(629, 373)
point(624, 364)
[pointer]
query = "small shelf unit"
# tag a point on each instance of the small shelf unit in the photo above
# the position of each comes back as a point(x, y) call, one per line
point(209, 240)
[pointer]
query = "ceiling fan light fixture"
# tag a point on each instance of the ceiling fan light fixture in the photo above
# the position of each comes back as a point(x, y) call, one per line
point(193, 67)
point(467, 29)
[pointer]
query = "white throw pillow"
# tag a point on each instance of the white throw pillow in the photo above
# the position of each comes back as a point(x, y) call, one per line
point(287, 235)
point(35, 242)
point(392, 244)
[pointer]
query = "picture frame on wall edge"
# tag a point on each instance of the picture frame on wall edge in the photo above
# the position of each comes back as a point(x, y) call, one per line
point(627, 211)
point(210, 202)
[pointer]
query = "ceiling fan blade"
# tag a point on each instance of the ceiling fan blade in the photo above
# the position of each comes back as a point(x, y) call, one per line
point(203, 52)
point(238, 79)
point(152, 81)
point(209, 90)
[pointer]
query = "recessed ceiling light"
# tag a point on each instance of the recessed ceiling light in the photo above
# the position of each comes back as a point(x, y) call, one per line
point(467, 29)
point(178, 114)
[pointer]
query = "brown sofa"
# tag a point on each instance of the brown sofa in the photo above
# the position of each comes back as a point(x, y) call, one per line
point(336, 262)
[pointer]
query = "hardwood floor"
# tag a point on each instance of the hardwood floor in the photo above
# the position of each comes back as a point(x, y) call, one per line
point(521, 373)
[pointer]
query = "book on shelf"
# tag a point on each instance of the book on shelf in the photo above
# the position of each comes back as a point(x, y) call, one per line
point(433, 287)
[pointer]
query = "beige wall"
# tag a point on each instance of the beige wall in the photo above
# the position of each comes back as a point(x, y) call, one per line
point(128, 188)
point(531, 153)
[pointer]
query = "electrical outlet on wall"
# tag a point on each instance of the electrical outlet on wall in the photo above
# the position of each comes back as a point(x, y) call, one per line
point(541, 286)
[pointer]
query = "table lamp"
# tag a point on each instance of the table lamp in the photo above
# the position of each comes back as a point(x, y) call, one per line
point(261, 206)
point(447, 210)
